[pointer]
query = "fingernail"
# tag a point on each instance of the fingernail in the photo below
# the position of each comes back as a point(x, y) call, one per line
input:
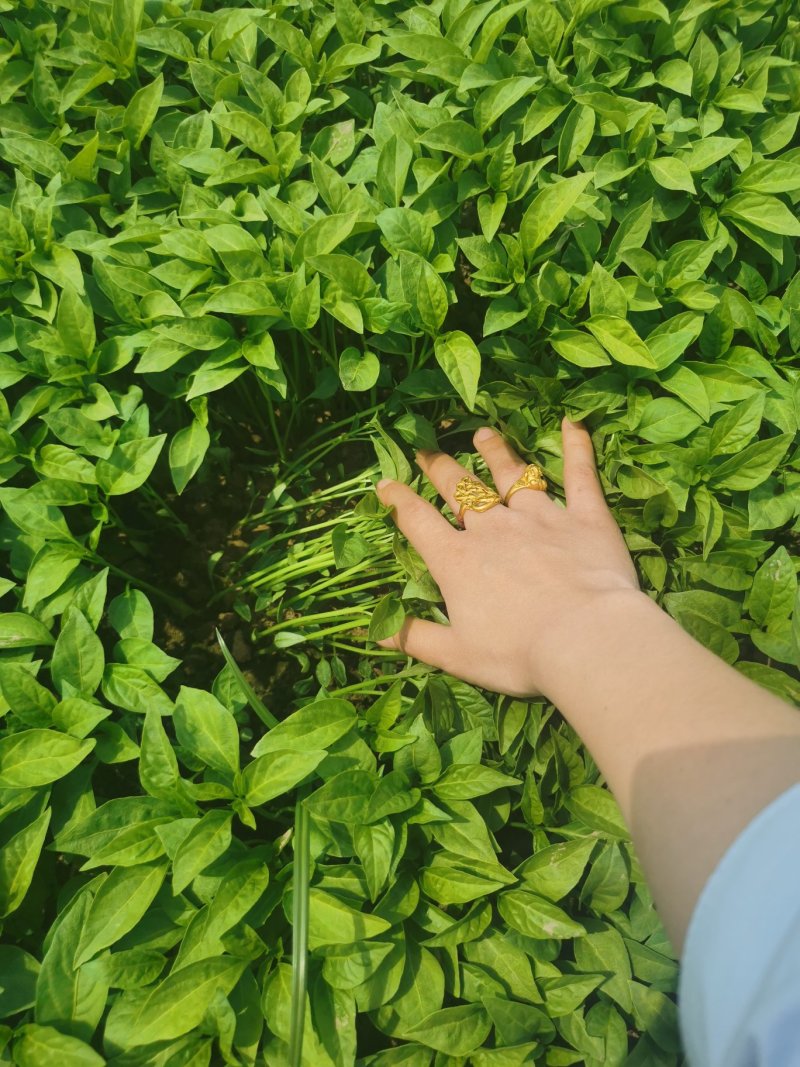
point(484, 433)
point(383, 483)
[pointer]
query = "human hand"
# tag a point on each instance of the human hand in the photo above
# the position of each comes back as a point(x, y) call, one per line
point(518, 581)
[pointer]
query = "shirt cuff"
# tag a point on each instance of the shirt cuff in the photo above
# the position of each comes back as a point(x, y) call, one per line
point(739, 984)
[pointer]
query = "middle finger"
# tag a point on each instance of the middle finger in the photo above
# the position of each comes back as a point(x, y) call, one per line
point(445, 474)
point(506, 467)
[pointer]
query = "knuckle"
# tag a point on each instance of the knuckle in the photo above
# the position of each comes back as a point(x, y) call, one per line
point(585, 470)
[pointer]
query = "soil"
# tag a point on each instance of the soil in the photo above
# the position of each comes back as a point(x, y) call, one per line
point(191, 556)
point(197, 600)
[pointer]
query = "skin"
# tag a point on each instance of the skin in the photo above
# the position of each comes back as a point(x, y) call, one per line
point(544, 600)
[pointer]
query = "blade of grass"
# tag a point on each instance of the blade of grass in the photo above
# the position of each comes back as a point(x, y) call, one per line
point(300, 879)
point(258, 706)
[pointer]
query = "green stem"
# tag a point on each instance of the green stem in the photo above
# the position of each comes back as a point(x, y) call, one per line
point(314, 590)
point(308, 566)
point(363, 687)
point(177, 605)
point(272, 423)
point(342, 627)
point(300, 884)
point(319, 616)
point(156, 497)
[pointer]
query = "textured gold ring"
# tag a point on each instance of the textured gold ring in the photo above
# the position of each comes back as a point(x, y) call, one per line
point(473, 495)
point(531, 478)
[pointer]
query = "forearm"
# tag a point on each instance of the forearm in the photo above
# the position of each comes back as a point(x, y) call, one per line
point(691, 749)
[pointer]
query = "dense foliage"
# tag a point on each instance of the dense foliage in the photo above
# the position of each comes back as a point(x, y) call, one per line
point(336, 224)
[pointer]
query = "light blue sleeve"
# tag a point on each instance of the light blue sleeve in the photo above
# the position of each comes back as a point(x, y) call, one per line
point(739, 986)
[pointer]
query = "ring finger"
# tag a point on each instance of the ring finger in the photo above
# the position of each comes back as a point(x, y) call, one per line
point(445, 474)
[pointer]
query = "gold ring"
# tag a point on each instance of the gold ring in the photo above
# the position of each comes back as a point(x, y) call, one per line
point(531, 478)
point(473, 495)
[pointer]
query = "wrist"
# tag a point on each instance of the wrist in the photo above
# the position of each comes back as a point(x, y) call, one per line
point(578, 639)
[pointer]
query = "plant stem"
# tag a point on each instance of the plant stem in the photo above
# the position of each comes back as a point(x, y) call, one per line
point(360, 687)
point(273, 424)
point(177, 605)
point(319, 616)
point(300, 880)
point(156, 497)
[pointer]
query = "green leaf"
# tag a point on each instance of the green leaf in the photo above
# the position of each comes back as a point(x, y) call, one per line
point(620, 340)
point(20, 971)
point(772, 594)
point(394, 162)
point(134, 689)
point(664, 420)
point(51, 567)
point(174, 1007)
point(536, 917)
point(323, 236)
point(78, 657)
point(131, 615)
point(204, 843)
point(456, 1031)
point(763, 212)
point(464, 781)
point(564, 995)
point(332, 922)
point(18, 859)
point(672, 173)
point(343, 798)
point(455, 137)
point(141, 111)
point(32, 758)
point(119, 904)
point(319, 725)
point(70, 998)
point(424, 290)
point(129, 465)
point(548, 209)
point(387, 618)
point(458, 356)
point(738, 426)
point(187, 450)
point(358, 371)
point(405, 229)
point(752, 464)
point(36, 1045)
point(207, 729)
point(77, 716)
point(277, 772)
point(75, 323)
point(553, 871)
point(22, 631)
point(598, 809)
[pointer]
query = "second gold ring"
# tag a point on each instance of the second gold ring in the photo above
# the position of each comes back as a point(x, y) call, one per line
point(531, 478)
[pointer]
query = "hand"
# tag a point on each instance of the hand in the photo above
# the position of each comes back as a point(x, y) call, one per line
point(517, 580)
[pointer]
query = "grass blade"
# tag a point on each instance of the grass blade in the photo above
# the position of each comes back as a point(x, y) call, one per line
point(299, 930)
point(258, 706)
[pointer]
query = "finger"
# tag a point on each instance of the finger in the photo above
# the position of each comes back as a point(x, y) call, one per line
point(506, 467)
point(445, 474)
point(427, 641)
point(582, 486)
point(424, 526)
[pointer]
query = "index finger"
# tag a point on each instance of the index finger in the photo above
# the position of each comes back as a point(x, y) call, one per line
point(425, 527)
point(582, 486)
